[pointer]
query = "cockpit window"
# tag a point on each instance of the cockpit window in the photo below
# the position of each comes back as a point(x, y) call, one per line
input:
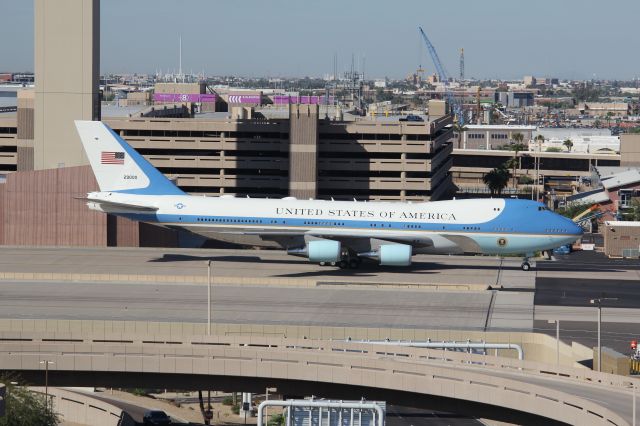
point(540, 209)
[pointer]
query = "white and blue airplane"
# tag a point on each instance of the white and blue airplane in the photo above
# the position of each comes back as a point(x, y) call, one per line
point(339, 233)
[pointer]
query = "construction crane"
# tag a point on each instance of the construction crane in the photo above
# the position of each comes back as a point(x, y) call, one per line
point(444, 77)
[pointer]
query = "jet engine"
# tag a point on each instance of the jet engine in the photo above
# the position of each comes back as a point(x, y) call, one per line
point(319, 251)
point(391, 254)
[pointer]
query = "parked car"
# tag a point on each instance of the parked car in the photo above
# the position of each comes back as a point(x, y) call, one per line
point(566, 249)
point(411, 117)
point(156, 418)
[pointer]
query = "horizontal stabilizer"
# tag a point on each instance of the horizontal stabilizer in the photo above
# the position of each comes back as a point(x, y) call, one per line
point(119, 206)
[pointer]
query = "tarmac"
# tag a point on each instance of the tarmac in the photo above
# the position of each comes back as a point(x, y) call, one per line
point(263, 287)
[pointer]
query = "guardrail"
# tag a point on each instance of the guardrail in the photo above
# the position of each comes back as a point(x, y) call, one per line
point(450, 374)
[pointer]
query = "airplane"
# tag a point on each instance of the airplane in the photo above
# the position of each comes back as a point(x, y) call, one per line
point(327, 232)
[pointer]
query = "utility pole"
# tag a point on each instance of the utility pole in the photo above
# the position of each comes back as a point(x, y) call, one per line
point(598, 302)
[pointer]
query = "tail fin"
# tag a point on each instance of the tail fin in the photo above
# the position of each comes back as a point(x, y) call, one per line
point(117, 166)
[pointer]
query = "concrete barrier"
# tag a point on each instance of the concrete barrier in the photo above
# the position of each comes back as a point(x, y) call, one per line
point(612, 362)
point(537, 347)
point(218, 280)
point(82, 409)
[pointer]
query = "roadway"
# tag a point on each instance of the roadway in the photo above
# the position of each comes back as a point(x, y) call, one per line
point(592, 275)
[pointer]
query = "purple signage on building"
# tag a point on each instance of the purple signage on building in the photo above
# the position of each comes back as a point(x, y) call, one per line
point(184, 97)
point(244, 99)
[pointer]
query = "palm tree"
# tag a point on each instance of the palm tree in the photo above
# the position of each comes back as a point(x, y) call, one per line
point(539, 139)
point(609, 115)
point(516, 147)
point(497, 179)
point(459, 129)
point(569, 144)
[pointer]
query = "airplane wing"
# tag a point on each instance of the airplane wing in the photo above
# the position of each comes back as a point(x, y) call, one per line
point(358, 241)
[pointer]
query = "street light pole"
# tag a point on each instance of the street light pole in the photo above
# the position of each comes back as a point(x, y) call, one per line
point(557, 322)
point(633, 405)
point(46, 381)
point(598, 302)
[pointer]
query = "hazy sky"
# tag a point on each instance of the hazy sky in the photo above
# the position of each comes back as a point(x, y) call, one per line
point(502, 38)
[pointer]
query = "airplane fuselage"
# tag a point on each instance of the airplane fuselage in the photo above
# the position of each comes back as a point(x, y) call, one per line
point(486, 226)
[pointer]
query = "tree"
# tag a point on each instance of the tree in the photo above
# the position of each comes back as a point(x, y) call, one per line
point(25, 408)
point(276, 420)
point(497, 179)
point(609, 115)
point(568, 143)
point(459, 129)
point(517, 147)
point(633, 212)
point(572, 210)
point(540, 140)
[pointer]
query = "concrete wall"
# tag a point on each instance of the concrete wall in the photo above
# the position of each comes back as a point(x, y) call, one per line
point(67, 63)
point(303, 151)
point(612, 362)
point(81, 409)
point(618, 238)
point(26, 105)
point(630, 150)
point(537, 347)
point(39, 208)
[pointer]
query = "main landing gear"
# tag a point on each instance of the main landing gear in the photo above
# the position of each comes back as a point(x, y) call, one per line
point(525, 264)
point(349, 260)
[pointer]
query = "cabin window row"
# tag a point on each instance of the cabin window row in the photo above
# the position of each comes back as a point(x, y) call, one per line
point(206, 219)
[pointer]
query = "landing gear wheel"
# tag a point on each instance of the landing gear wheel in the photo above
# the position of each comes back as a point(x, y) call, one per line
point(354, 263)
point(525, 266)
point(343, 264)
point(323, 263)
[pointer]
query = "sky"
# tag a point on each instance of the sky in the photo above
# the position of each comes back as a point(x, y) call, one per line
point(506, 39)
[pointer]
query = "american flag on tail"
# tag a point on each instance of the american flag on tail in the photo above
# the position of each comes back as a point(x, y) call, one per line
point(112, 157)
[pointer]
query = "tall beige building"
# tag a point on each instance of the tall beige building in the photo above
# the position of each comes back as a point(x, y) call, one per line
point(67, 63)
